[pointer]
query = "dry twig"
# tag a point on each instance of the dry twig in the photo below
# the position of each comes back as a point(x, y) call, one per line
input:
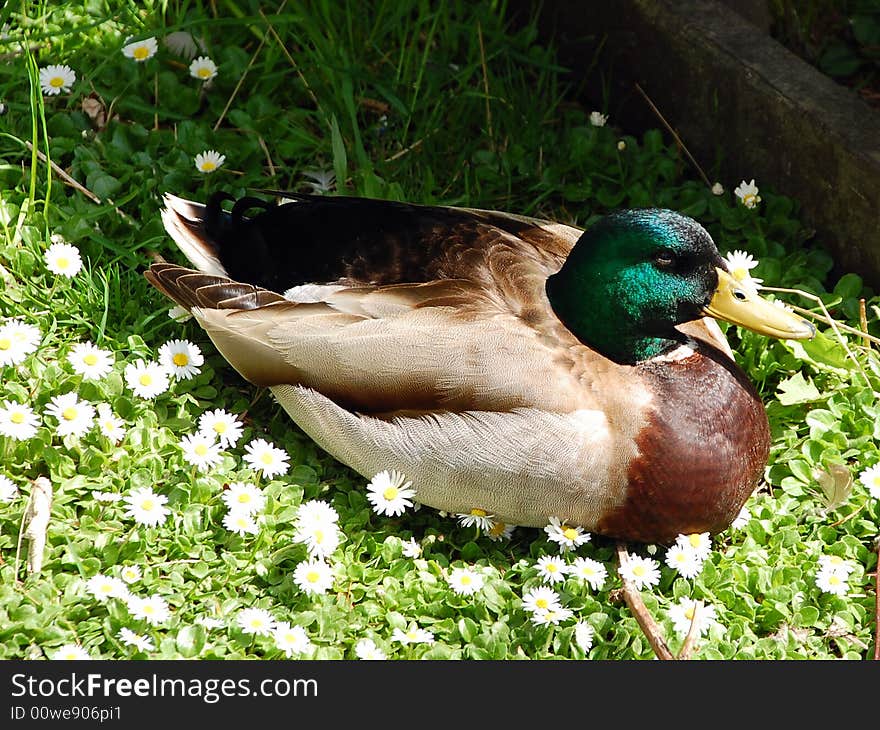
point(675, 136)
point(646, 621)
point(690, 641)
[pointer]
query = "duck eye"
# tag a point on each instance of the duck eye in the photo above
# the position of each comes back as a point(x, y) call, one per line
point(739, 294)
point(664, 259)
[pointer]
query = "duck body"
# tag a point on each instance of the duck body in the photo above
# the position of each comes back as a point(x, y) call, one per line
point(424, 339)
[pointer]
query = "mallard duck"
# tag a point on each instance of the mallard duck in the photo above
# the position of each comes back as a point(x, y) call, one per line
point(506, 365)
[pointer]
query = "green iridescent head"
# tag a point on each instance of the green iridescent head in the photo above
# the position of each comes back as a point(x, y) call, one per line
point(636, 274)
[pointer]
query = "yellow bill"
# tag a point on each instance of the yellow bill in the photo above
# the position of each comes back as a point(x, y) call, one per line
point(738, 304)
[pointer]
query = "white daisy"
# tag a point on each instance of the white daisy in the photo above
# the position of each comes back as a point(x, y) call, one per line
point(17, 421)
point(256, 621)
point(682, 615)
point(107, 496)
point(478, 518)
point(17, 341)
point(103, 587)
point(641, 572)
point(541, 599)
point(8, 490)
point(870, 478)
point(140, 51)
point(141, 643)
point(313, 576)
point(146, 379)
point(130, 574)
point(62, 259)
point(747, 192)
point(590, 571)
point(411, 548)
point(552, 569)
point(367, 650)
point(90, 361)
point(684, 560)
point(209, 622)
point(109, 424)
point(56, 78)
point(836, 564)
point(75, 417)
point(742, 519)
point(240, 523)
point(209, 160)
point(320, 538)
point(153, 609)
point(567, 536)
point(584, 635)
point(291, 639)
point(548, 616)
point(201, 451)
point(718, 189)
point(223, 425)
point(413, 635)
point(203, 68)
point(70, 652)
point(146, 507)
point(265, 457)
point(390, 493)
point(465, 581)
point(739, 264)
point(699, 543)
point(181, 358)
point(179, 314)
point(244, 497)
point(500, 531)
point(315, 511)
point(597, 119)
point(621, 145)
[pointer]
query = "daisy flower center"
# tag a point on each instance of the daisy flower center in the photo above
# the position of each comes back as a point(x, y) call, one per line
point(145, 379)
point(5, 343)
point(148, 609)
point(476, 512)
point(694, 540)
point(552, 568)
point(180, 359)
point(244, 498)
point(749, 199)
point(256, 623)
point(208, 165)
point(56, 82)
point(201, 449)
point(542, 603)
point(266, 458)
point(69, 414)
point(570, 533)
point(390, 493)
point(90, 359)
point(62, 263)
point(147, 505)
point(220, 427)
point(875, 480)
point(141, 52)
point(319, 536)
point(689, 614)
point(17, 417)
point(834, 580)
point(466, 580)
point(312, 576)
point(639, 570)
point(204, 72)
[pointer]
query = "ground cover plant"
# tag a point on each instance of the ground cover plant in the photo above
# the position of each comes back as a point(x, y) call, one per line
point(155, 505)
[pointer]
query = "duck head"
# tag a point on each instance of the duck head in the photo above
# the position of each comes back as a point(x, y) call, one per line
point(636, 274)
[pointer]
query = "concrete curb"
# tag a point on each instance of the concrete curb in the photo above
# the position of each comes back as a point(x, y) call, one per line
point(736, 95)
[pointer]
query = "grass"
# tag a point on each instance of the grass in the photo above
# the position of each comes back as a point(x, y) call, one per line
point(437, 103)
